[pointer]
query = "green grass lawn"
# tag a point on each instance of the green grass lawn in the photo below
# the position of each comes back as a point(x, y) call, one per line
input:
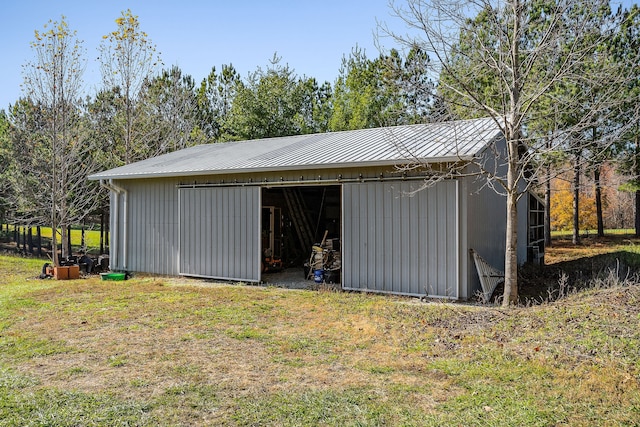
point(161, 351)
point(92, 237)
point(607, 232)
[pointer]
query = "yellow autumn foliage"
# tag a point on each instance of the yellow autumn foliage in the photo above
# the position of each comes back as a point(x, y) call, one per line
point(562, 208)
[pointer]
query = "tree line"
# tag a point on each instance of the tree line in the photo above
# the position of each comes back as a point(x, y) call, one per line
point(560, 78)
point(56, 135)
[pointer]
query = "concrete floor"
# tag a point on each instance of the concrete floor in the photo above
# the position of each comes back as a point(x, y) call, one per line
point(292, 278)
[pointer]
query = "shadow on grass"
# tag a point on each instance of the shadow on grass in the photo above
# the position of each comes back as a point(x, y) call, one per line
point(549, 282)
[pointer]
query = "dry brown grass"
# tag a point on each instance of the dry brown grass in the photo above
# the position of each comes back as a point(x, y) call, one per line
point(190, 352)
point(141, 340)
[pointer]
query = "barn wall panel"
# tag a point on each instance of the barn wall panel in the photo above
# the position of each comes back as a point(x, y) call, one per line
point(400, 241)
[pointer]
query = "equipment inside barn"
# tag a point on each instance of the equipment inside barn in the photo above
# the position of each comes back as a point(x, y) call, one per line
point(325, 262)
point(296, 220)
point(271, 238)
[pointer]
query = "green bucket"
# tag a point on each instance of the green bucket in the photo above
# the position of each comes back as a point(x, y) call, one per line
point(112, 276)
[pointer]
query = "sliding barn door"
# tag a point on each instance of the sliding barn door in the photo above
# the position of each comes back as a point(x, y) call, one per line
point(401, 241)
point(220, 233)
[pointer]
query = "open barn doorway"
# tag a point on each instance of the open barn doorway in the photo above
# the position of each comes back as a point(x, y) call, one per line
point(300, 234)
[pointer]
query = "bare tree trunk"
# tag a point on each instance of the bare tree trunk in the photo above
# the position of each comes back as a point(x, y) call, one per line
point(547, 209)
point(127, 139)
point(637, 173)
point(637, 215)
point(39, 239)
point(510, 296)
point(513, 135)
point(54, 247)
point(576, 201)
point(69, 247)
point(54, 194)
point(54, 182)
point(30, 239)
point(599, 214)
point(63, 242)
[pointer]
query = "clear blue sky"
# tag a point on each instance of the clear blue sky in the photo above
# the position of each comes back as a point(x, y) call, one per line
point(310, 36)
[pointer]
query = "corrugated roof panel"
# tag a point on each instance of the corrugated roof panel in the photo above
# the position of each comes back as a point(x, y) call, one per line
point(391, 145)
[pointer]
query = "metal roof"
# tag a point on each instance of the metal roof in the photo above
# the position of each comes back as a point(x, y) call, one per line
point(434, 142)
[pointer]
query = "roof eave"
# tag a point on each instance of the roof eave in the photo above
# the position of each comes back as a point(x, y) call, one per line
point(350, 165)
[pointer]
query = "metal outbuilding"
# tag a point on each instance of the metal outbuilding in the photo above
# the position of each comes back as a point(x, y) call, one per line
point(220, 210)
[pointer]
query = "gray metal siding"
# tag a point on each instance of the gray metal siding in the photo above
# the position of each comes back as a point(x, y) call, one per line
point(403, 244)
point(150, 216)
point(220, 233)
point(523, 228)
point(115, 231)
point(486, 219)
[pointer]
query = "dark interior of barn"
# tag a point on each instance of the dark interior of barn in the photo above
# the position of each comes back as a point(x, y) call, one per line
point(300, 233)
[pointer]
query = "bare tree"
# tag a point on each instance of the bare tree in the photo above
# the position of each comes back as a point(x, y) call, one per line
point(501, 59)
point(52, 156)
point(128, 60)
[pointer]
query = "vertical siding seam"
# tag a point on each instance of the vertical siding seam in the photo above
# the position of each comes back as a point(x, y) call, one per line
point(178, 255)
